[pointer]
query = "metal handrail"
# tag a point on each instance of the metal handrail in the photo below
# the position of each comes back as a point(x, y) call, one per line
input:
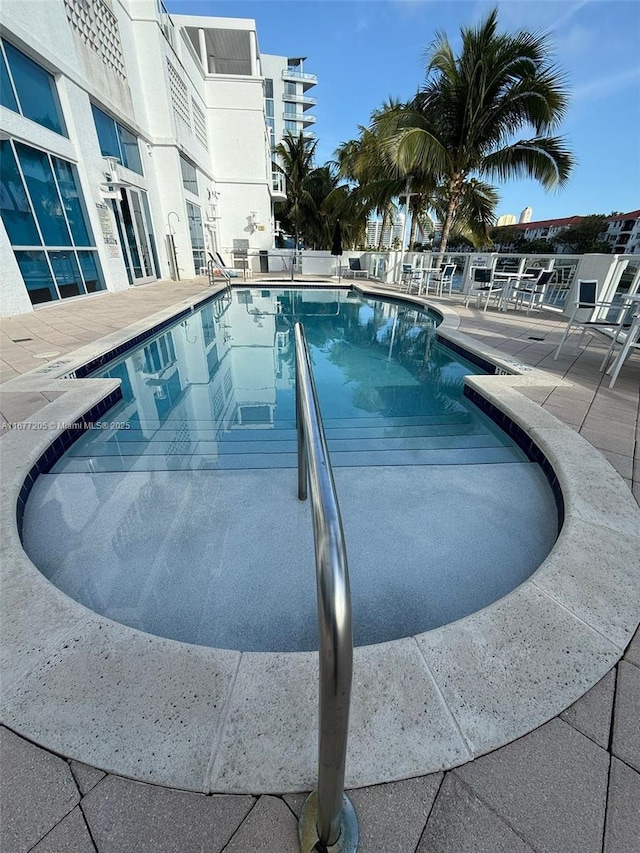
point(213, 264)
point(328, 817)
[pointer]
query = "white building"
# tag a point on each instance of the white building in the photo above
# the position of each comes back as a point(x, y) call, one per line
point(126, 133)
point(392, 231)
point(526, 215)
point(623, 231)
point(287, 104)
point(506, 219)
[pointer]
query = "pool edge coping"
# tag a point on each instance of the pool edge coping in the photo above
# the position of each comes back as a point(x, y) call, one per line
point(469, 722)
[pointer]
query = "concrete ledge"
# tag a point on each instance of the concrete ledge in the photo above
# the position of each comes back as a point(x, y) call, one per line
point(212, 720)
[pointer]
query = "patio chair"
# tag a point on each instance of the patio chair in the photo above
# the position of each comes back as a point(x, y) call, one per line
point(589, 314)
point(533, 290)
point(410, 277)
point(483, 284)
point(626, 334)
point(355, 269)
point(440, 280)
point(631, 342)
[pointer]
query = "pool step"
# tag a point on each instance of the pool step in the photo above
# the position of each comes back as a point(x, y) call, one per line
point(453, 438)
point(242, 461)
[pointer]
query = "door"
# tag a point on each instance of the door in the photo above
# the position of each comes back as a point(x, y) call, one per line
point(136, 236)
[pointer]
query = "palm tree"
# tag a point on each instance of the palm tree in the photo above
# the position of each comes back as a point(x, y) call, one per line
point(462, 123)
point(295, 154)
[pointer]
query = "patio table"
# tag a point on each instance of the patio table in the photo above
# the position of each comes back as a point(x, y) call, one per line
point(512, 282)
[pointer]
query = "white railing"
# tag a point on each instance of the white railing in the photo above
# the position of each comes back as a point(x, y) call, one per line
point(300, 99)
point(616, 274)
point(300, 75)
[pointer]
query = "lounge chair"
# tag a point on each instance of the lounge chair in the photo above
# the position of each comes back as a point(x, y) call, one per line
point(355, 269)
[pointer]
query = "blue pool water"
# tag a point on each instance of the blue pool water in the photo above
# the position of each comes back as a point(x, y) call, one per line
point(179, 517)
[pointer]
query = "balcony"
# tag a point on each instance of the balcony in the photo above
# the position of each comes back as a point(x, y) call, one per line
point(300, 99)
point(305, 118)
point(297, 76)
point(278, 186)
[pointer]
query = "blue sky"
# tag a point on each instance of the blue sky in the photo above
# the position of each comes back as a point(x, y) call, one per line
point(366, 51)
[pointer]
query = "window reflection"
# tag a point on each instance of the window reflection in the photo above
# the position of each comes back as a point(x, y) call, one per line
point(14, 205)
point(116, 141)
point(35, 88)
point(51, 188)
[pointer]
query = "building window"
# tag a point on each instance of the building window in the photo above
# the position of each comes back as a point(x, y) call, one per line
point(116, 141)
point(268, 88)
point(30, 90)
point(290, 109)
point(45, 217)
point(291, 126)
point(189, 176)
point(290, 88)
point(197, 236)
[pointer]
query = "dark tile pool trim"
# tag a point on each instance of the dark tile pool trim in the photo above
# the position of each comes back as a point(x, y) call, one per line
point(488, 366)
point(524, 442)
point(58, 447)
point(99, 362)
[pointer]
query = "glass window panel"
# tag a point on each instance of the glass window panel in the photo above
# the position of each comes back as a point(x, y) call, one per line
point(107, 135)
point(189, 176)
point(14, 205)
point(197, 235)
point(290, 88)
point(67, 273)
point(268, 88)
point(91, 271)
point(69, 187)
point(291, 126)
point(268, 107)
point(36, 90)
point(44, 195)
point(141, 232)
point(37, 277)
point(130, 151)
point(152, 239)
point(7, 98)
point(130, 235)
point(290, 109)
point(122, 237)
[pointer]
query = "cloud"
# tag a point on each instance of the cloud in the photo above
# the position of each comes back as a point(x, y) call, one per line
point(576, 42)
point(605, 86)
point(537, 15)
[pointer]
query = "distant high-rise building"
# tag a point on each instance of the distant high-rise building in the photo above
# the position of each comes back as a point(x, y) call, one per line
point(391, 231)
point(526, 215)
point(508, 219)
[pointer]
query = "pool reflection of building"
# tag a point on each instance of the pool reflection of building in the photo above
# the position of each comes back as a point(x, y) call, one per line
point(229, 365)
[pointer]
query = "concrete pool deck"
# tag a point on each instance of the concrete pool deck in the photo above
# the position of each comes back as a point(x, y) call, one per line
point(609, 421)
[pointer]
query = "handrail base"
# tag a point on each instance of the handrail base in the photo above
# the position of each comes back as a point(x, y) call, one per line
point(308, 832)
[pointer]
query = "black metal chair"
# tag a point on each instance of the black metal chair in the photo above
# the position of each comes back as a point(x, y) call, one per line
point(589, 314)
point(483, 284)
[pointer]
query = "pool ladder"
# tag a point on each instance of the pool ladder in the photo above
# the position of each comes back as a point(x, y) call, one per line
point(328, 821)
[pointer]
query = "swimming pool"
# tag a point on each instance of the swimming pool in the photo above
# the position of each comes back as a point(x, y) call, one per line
point(179, 518)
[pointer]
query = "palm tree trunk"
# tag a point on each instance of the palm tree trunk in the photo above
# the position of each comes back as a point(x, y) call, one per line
point(452, 206)
point(415, 206)
point(385, 216)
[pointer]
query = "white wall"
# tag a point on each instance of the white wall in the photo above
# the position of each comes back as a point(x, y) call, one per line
point(235, 164)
